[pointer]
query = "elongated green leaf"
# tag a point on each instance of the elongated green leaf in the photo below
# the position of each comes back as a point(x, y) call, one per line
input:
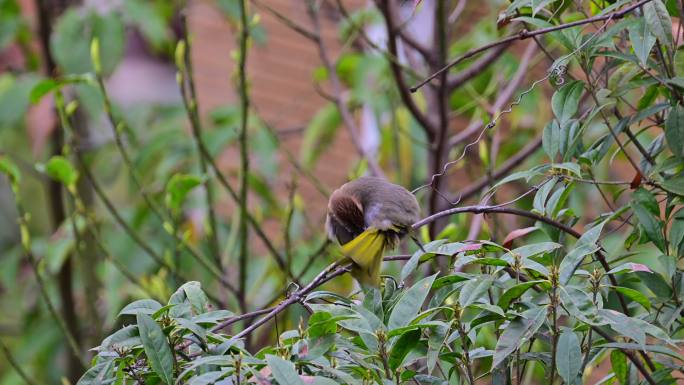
point(516, 291)
point(145, 306)
point(569, 357)
point(518, 332)
point(474, 289)
point(410, 302)
point(565, 101)
point(402, 347)
point(551, 137)
point(675, 185)
point(642, 40)
point(283, 371)
point(61, 170)
point(126, 337)
point(178, 188)
point(652, 225)
point(584, 246)
point(320, 134)
point(634, 295)
point(157, 348)
point(658, 21)
point(618, 362)
point(674, 131)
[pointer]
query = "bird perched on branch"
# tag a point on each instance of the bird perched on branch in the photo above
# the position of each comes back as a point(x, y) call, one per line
point(367, 216)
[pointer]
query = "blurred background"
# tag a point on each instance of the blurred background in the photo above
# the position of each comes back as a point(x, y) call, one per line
point(325, 107)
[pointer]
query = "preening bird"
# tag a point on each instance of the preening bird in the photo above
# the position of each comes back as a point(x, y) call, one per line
point(367, 216)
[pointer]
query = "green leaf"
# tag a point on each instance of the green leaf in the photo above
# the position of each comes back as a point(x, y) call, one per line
point(410, 303)
point(474, 289)
point(634, 295)
point(196, 296)
point(14, 98)
point(651, 224)
point(674, 185)
point(677, 231)
point(319, 134)
point(73, 32)
point(658, 21)
point(642, 40)
point(178, 188)
point(144, 306)
point(320, 324)
point(565, 101)
point(43, 88)
point(516, 291)
point(518, 332)
point(656, 283)
point(551, 138)
point(418, 256)
point(674, 131)
point(584, 246)
point(126, 337)
point(213, 316)
point(61, 170)
point(402, 347)
point(283, 371)
point(10, 169)
point(618, 362)
point(568, 356)
point(98, 374)
point(156, 347)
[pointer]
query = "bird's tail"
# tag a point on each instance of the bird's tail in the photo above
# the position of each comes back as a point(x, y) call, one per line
point(366, 252)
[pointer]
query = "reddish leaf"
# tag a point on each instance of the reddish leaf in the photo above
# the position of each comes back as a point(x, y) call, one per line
point(469, 247)
point(515, 234)
point(636, 182)
point(639, 267)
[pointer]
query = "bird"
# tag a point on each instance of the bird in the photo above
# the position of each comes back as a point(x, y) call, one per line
point(367, 216)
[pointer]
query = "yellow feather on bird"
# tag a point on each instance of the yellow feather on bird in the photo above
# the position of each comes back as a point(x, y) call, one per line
point(366, 217)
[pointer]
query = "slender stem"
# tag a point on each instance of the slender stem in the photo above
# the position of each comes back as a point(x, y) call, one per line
point(15, 364)
point(244, 155)
point(192, 108)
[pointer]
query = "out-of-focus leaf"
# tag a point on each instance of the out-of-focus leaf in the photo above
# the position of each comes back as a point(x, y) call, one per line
point(319, 134)
point(674, 131)
point(74, 30)
point(674, 185)
point(651, 224)
point(178, 187)
point(14, 98)
point(156, 347)
point(61, 170)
